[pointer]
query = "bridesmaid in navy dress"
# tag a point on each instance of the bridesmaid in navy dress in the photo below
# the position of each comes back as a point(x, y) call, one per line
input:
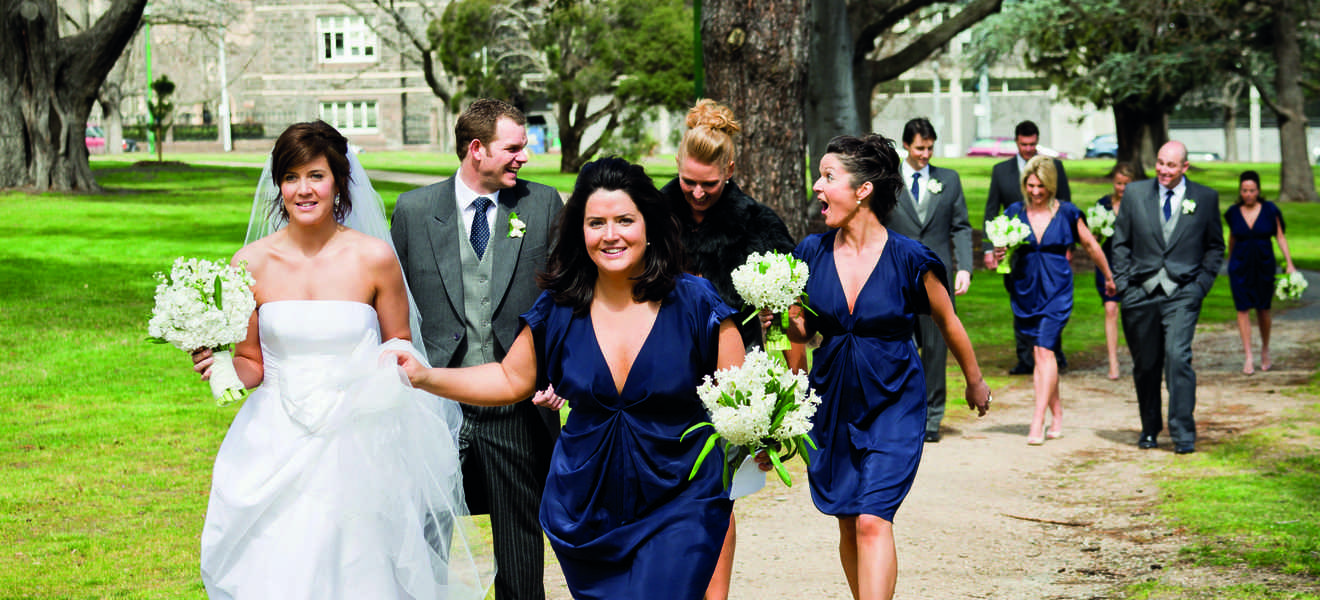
point(1252, 221)
point(1040, 286)
point(867, 286)
point(625, 337)
point(1123, 175)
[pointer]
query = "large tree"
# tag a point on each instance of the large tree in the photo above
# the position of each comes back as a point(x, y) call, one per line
point(755, 53)
point(1137, 57)
point(852, 51)
point(1287, 20)
point(580, 55)
point(48, 83)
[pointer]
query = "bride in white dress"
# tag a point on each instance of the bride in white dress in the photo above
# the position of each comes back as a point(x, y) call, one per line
point(336, 478)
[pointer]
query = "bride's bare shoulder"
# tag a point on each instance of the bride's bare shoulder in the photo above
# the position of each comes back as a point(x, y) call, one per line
point(372, 250)
point(258, 253)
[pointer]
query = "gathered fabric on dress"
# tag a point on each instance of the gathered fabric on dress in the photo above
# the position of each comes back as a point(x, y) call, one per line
point(337, 479)
point(871, 422)
point(620, 512)
point(1251, 266)
point(1040, 287)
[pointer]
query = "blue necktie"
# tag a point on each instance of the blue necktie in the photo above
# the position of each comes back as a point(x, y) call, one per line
point(1168, 205)
point(480, 226)
point(916, 188)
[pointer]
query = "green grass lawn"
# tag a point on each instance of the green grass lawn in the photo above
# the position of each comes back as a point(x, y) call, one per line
point(108, 441)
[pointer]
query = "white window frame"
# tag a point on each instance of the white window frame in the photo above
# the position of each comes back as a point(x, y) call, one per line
point(345, 39)
point(352, 116)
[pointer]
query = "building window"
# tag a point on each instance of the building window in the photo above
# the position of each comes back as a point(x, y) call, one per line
point(346, 38)
point(351, 116)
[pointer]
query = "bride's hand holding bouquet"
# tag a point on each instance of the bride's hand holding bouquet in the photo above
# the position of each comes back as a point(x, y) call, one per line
point(201, 306)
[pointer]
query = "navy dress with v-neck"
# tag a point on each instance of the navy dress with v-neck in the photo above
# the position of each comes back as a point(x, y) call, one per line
point(619, 510)
point(872, 417)
point(1251, 265)
point(1040, 287)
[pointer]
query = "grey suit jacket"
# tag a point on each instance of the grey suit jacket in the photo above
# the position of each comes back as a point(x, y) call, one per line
point(946, 229)
point(427, 230)
point(1195, 249)
point(1006, 188)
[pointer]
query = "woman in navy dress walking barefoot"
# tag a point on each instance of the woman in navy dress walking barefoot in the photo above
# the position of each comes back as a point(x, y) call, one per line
point(867, 286)
point(1252, 221)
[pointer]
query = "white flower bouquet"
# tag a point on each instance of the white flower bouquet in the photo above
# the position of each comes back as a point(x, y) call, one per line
point(1100, 221)
point(205, 304)
point(761, 405)
point(1290, 286)
point(1006, 232)
point(772, 281)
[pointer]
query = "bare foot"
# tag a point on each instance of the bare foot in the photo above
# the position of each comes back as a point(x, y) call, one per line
point(1247, 369)
point(1113, 375)
point(1265, 363)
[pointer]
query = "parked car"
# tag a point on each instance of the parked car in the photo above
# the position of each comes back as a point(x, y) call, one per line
point(1004, 147)
point(1201, 156)
point(95, 140)
point(1103, 146)
point(998, 147)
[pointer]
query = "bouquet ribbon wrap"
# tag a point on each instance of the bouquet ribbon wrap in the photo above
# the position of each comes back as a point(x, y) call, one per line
point(226, 387)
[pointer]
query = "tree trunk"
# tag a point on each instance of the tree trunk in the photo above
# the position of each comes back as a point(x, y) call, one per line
point(47, 86)
point(831, 107)
point(755, 53)
point(570, 138)
point(1141, 131)
point(1296, 180)
point(1230, 131)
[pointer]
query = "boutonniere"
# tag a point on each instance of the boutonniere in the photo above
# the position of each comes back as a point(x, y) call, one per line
point(1188, 206)
point(933, 186)
point(516, 226)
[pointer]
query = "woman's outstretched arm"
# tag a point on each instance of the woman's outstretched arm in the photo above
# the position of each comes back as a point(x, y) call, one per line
point(492, 384)
point(955, 337)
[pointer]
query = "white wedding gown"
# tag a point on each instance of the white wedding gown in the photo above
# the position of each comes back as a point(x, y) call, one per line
point(335, 473)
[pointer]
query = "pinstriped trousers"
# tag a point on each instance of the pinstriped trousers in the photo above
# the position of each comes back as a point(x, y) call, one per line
point(505, 455)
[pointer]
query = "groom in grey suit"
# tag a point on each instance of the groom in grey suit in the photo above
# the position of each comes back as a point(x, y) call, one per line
point(1168, 246)
point(932, 210)
point(471, 246)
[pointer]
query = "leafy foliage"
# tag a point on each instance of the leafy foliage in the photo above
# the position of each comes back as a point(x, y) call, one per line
point(579, 55)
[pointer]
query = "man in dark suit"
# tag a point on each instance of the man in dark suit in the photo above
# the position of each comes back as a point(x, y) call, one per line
point(1005, 189)
point(471, 246)
point(1168, 246)
point(932, 210)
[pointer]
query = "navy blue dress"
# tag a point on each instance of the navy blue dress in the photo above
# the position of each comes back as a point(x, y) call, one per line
point(618, 508)
point(1108, 247)
point(1040, 287)
point(1251, 266)
point(872, 417)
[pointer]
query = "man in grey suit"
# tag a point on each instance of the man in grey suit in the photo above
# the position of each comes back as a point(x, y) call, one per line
point(932, 210)
point(471, 247)
point(1005, 189)
point(1168, 246)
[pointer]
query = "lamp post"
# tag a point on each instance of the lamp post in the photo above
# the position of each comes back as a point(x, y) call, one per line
point(146, 42)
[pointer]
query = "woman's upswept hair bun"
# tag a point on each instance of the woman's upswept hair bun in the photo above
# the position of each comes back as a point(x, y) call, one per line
point(708, 140)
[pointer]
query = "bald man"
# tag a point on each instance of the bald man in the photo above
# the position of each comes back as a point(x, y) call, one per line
point(1168, 246)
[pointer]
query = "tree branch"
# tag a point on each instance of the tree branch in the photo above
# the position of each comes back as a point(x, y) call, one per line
point(894, 65)
point(878, 16)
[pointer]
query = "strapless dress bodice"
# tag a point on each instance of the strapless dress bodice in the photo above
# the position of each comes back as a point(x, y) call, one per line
point(313, 333)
